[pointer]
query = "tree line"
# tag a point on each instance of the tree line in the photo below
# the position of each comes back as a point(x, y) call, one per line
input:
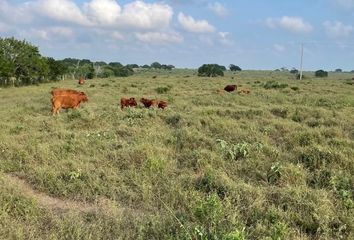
point(21, 64)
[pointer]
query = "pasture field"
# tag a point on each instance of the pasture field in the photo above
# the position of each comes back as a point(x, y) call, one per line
point(275, 164)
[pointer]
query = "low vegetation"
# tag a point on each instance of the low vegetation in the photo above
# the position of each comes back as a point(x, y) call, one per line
point(274, 164)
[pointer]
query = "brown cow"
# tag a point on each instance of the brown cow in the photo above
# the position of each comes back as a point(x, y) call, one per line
point(69, 100)
point(149, 102)
point(81, 81)
point(162, 104)
point(62, 91)
point(230, 88)
point(128, 102)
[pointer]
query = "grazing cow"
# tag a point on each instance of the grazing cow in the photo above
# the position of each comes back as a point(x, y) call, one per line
point(149, 102)
point(81, 81)
point(230, 88)
point(128, 102)
point(162, 104)
point(69, 100)
point(61, 91)
point(245, 91)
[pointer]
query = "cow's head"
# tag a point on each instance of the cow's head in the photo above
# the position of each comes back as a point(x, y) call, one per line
point(132, 102)
point(83, 97)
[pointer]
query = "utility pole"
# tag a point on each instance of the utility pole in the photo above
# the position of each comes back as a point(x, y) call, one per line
point(302, 56)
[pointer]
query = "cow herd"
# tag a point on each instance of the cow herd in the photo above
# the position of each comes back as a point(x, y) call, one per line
point(68, 98)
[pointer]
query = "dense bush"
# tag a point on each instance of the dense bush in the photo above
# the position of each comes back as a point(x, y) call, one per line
point(321, 73)
point(234, 68)
point(211, 70)
point(274, 85)
point(22, 64)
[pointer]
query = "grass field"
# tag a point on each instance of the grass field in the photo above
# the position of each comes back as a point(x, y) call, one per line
point(275, 164)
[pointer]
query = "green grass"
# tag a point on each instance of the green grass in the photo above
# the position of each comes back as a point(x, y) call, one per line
point(275, 164)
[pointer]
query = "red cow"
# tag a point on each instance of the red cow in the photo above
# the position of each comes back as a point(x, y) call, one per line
point(162, 104)
point(81, 81)
point(128, 102)
point(149, 102)
point(68, 100)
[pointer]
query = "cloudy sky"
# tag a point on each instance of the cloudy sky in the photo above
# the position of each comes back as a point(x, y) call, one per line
point(254, 34)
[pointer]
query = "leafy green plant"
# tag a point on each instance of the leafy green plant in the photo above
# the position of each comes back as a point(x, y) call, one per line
point(274, 173)
point(234, 151)
point(236, 235)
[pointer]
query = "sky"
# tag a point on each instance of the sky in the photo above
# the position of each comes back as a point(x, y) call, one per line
point(253, 34)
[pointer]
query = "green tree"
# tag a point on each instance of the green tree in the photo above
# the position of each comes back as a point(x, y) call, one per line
point(234, 68)
point(132, 66)
point(156, 65)
point(22, 62)
point(56, 69)
point(210, 70)
point(294, 71)
point(321, 73)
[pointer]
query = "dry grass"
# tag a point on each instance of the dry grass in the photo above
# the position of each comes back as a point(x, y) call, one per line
point(273, 164)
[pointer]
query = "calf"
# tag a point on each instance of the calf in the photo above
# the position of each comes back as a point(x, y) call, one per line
point(128, 102)
point(162, 104)
point(149, 102)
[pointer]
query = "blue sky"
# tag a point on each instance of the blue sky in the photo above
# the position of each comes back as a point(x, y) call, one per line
point(254, 34)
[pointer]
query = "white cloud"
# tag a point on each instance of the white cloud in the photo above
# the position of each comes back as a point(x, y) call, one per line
point(49, 33)
point(96, 13)
point(279, 47)
point(60, 10)
point(105, 12)
point(224, 38)
point(18, 13)
point(219, 9)
point(146, 16)
point(292, 24)
point(337, 29)
point(159, 37)
point(189, 24)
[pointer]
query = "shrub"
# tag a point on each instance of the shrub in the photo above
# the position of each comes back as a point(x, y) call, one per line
point(234, 68)
point(162, 90)
point(295, 88)
point(211, 70)
point(315, 158)
point(294, 71)
point(321, 73)
point(173, 120)
point(211, 183)
point(274, 85)
point(279, 112)
point(298, 76)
